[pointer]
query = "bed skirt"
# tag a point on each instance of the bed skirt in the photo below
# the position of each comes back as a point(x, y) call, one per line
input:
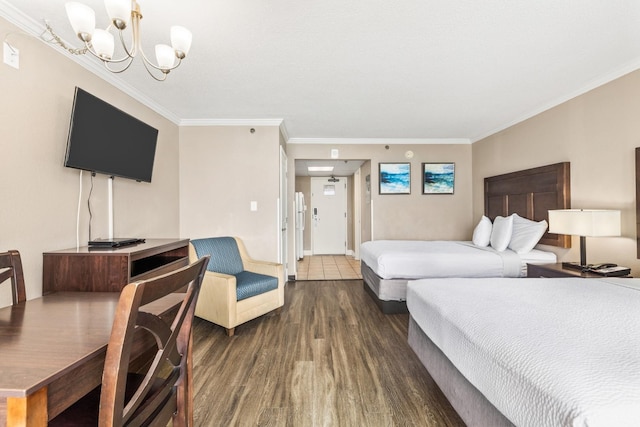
point(469, 403)
point(373, 285)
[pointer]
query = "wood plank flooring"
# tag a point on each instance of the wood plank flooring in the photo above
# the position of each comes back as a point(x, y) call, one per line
point(329, 358)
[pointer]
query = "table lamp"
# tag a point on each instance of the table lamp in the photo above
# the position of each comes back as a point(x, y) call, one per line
point(584, 223)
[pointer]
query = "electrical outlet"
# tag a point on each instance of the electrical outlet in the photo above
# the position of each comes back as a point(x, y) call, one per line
point(11, 55)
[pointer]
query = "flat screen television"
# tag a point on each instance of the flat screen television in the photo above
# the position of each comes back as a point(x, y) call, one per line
point(106, 140)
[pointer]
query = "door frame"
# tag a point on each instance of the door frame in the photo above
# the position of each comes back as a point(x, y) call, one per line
point(357, 213)
point(283, 229)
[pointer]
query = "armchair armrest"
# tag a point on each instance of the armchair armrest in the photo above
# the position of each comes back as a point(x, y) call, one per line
point(263, 267)
point(217, 299)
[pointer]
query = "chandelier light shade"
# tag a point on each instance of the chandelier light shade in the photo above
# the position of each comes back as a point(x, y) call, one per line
point(103, 44)
point(180, 40)
point(123, 14)
point(82, 18)
point(584, 223)
point(119, 11)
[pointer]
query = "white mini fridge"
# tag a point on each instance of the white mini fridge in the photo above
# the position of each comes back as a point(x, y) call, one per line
point(301, 209)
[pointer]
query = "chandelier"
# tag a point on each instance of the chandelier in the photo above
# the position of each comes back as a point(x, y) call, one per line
point(100, 43)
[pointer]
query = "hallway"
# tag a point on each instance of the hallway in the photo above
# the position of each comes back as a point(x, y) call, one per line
point(328, 267)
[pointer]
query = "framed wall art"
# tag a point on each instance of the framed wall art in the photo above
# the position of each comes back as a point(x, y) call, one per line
point(438, 178)
point(395, 178)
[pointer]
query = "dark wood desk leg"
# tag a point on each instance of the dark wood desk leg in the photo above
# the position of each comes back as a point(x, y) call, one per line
point(30, 411)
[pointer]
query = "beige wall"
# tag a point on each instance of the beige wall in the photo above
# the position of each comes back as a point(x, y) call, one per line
point(223, 169)
point(40, 195)
point(413, 216)
point(597, 132)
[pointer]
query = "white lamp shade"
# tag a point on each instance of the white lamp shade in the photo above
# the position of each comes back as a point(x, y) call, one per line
point(181, 39)
point(82, 19)
point(103, 43)
point(585, 222)
point(118, 10)
point(165, 55)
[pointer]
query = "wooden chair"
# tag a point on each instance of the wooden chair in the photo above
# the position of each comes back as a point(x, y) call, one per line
point(12, 264)
point(163, 392)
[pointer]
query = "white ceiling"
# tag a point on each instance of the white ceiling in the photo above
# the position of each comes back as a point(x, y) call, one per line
point(423, 70)
point(340, 167)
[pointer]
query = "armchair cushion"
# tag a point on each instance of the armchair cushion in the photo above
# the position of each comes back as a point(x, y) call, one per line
point(225, 257)
point(250, 284)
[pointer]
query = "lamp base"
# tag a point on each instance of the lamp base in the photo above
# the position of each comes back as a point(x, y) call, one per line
point(575, 266)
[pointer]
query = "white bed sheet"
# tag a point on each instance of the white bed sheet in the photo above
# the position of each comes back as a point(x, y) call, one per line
point(417, 259)
point(544, 352)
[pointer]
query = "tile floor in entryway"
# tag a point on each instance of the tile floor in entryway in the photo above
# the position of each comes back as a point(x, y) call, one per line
point(328, 267)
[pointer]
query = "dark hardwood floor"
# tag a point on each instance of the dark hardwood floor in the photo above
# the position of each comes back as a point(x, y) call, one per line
point(329, 358)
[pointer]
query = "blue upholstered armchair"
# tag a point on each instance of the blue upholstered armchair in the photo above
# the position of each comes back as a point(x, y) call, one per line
point(235, 288)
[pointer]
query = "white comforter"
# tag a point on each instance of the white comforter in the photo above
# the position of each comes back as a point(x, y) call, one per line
point(545, 352)
point(416, 259)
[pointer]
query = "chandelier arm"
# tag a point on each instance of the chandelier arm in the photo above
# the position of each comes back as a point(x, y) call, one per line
point(151, 64)
point(146, 66)
point(107, 63)
point(133, 52)
point(89, 49)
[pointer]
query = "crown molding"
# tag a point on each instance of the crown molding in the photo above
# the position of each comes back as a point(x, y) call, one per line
point(380, 141)
point(231, 122)
point(284, 132)
point(36, 29)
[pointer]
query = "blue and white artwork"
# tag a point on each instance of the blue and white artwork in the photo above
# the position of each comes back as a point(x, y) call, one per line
point(395, 178)
point(438, 178)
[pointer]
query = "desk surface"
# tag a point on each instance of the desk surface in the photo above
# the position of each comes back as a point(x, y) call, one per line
point(50, 339)
point(43, 338)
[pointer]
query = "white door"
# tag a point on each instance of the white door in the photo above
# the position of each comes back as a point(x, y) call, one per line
point(329, 215)
point(282, 210)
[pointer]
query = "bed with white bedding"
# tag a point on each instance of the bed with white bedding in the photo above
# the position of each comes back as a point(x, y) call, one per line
point(532, 352)
point(527, 195)
point(388, 265)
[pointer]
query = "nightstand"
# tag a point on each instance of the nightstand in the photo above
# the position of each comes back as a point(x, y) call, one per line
point(556, 270)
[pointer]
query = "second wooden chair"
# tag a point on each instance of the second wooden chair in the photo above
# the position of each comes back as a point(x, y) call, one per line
point(11, 266)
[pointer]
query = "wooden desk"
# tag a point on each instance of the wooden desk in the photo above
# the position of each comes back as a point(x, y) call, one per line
point(52, 352)
point(87, 269)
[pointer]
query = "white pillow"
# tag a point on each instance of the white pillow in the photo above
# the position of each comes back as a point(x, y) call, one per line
point(482, 232)
point(501, 233)
point(526, 234)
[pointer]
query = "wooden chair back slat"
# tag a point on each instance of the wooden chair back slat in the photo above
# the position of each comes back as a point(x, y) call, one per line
point(11, 266)
point(161, 391)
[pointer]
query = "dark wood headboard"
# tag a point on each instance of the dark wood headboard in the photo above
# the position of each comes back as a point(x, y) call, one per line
point(531, 193)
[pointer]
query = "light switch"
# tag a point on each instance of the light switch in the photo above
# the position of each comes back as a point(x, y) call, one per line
point(11, 55)
point(254, 206)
